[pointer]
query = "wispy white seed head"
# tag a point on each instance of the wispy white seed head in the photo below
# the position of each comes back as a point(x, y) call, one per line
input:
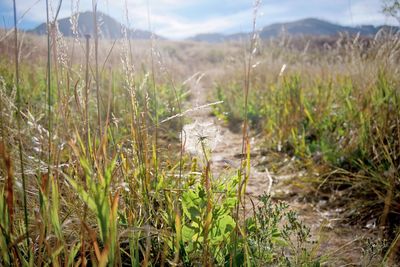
point(282, 70)
point(200, 136)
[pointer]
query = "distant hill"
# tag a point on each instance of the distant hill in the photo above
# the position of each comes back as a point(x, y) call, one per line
point(109, 27)
point(315, 27)
point(304, 27)
point(209, 38)
point(217, 37)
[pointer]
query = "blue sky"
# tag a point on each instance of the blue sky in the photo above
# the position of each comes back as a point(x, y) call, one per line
point(177, 19)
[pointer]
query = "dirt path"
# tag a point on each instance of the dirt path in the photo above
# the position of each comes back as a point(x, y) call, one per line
point(342, 243)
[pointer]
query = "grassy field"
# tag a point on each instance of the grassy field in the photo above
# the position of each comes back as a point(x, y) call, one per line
point(92, 163)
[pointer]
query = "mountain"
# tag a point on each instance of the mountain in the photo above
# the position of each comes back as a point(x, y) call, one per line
point(209, 38)
point(304, 27)
point(109, 28)
point(217, 37)
point(315, 27)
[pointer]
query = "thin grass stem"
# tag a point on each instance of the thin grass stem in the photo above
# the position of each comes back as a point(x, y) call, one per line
point(96, 58)
point(26, 218)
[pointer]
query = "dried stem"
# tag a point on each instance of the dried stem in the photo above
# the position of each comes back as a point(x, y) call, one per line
point(87, 37)
point(96, 58)
point(26, 219)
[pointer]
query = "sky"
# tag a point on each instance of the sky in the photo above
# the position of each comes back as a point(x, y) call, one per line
point(179, 19)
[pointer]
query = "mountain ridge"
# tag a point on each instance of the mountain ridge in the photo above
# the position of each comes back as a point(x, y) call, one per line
point(302, 27)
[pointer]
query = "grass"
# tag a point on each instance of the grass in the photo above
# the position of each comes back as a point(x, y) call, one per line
point(106, 180)
point(337, 108)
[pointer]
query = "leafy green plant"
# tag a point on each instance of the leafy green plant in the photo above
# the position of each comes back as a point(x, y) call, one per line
point(219, 217)
point(278, 237)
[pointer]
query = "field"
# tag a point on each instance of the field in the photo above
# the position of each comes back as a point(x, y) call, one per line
point(282, 152)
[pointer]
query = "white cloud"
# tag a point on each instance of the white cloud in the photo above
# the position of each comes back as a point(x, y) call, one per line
point(179, 28)
point(229, 23)
point(166, 23)
point(367, 12)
